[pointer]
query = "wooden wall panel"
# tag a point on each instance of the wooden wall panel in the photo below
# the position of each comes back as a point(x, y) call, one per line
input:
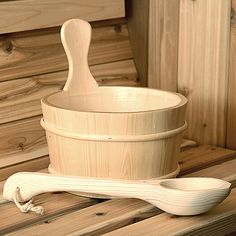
point(32, 53)
point(163, 44)
point(137, 13)
point(231, 121)
point(203, 67)
point(30, 14)
point(20, 98)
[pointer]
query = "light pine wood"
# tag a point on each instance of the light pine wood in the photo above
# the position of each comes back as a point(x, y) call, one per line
point(21, 139)
point(95, 220)
point(219, 171)
point(76, 37)
point(163, 44)
point(28, 15)
point(39, 52)
point(137, 14)
point(219, 221)
point(203, 156)
point(203, 67)
point(143, 117)
point(34, 164)
point(30, 90)
point(107, 216)
point(67, 201)
point(231, 112)
point(199, 194)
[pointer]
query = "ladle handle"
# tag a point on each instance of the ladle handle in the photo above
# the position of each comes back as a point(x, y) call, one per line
point(31, 184)
point(76, 37)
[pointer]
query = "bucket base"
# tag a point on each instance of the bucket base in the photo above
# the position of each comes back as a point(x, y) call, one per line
point(102, 196)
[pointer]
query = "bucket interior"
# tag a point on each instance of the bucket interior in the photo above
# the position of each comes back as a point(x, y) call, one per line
point(117, 99)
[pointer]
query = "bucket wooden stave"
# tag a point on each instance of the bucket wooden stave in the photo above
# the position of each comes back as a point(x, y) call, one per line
point(126, 145)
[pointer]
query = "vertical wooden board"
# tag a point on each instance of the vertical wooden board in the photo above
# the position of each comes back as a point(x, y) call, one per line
point(137, 15)
point(231, 114)
point(203, 67)
point(30, 14)
point(163, 44)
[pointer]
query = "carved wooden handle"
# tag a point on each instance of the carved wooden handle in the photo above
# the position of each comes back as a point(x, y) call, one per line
point(76, 37)
point(32, 184)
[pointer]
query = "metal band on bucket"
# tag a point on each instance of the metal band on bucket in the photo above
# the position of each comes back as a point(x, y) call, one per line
point(113, 138)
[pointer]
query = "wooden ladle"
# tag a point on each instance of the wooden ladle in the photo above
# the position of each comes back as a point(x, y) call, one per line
point(181, 196)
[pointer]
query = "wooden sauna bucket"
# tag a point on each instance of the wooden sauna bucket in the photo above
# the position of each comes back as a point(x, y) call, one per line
point(112, 132)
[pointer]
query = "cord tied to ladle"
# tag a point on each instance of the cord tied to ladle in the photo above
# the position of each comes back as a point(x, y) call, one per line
point(28, 206)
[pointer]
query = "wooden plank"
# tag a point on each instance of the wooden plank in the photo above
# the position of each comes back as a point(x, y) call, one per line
point(28, 14)
point(35, 164)
point(225, 170)
point(38, 52)
point(30, 90)
point(137, 15)
point(113, 214)
point(198, 158)
point(231, 112)
point(163, 44)
point(93, 220)
point(53, 203)
point(22, 137)
point(219, 221)
point(203, 67)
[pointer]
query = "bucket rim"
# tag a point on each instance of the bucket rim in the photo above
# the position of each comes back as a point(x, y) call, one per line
point(183, 101)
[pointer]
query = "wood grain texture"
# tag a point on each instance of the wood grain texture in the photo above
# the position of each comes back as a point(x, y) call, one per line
point(56, 204)
point(219, 171)
point(76, 38)
point(24, 94)
point(25, 136)
point(201, 157)
point(231, 112)
point(199, 194)
point(203, 67)
point(163, 44)
point(114, 214)
point(94, 220)
point(221, 219)
point(33, 164)
point(29, 15)
point(126, 137)
point(137, 13)
point(42, 52)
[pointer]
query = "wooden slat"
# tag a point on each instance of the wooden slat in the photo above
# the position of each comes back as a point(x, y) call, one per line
point(29, 14)
point(35, 164)
point(137, 13)
point(201, 157)
point(231, 113)
point(94, 220)
point(11, 218)
point(38, 52)
point(225, 170)
point(26, 136)
point(203, 67)
point(25, 94)
point(114, 214)
point(219, 221)
point(163, 44)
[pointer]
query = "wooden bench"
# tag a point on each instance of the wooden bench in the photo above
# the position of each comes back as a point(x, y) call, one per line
point(67, 214)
